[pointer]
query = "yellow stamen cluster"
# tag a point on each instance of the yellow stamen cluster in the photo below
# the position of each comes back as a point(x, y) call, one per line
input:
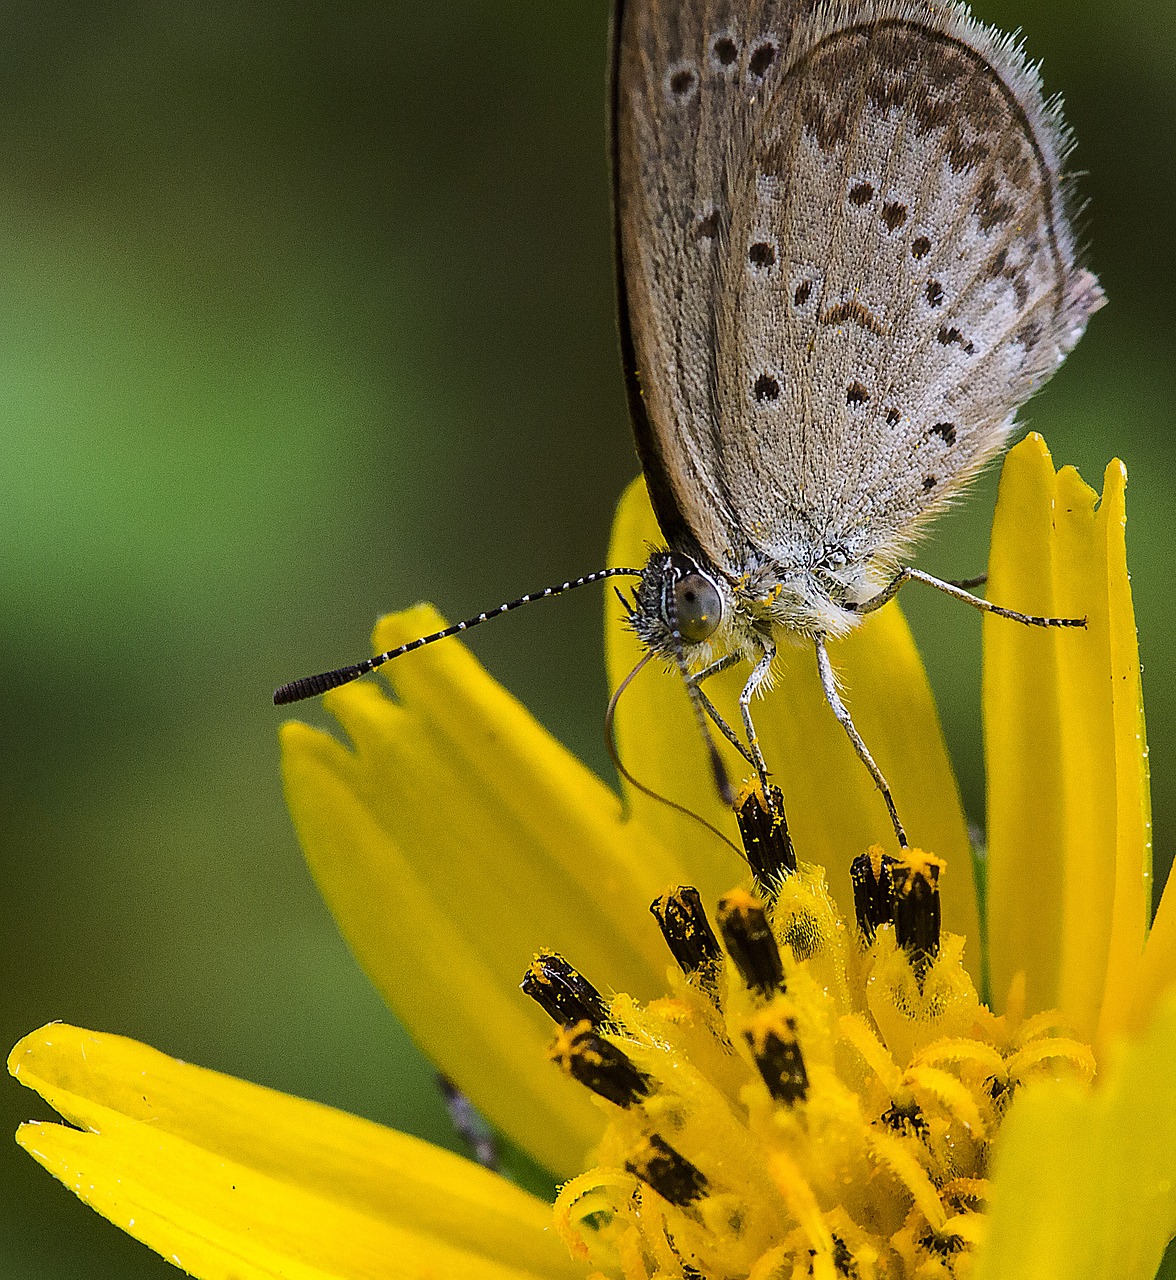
point(811, 1099)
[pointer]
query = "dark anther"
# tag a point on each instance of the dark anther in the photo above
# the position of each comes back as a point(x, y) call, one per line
point(688, 934)
point(843, 1262)
point(773, 1043)
point(672, 1176)
point(944, 1246)
point(916, 908)
point(907, 1119)
point(1000, 1091)
point(567, 997)
point(750, 942)
point(765, 838)
point(873, 891)
point(965, 1195)
point(599, 1065)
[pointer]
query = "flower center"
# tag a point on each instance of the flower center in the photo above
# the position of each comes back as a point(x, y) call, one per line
point(809, 1099)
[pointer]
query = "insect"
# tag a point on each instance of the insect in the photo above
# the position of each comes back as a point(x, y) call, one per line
point(845, 257)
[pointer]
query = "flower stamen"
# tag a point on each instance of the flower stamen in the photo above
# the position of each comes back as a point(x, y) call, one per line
point(807, 1102)
point(917, 914)
point(600, 1066)
point(750, 943)
point(562, 992)
point(764, 832)
point(873, 891)
point(668, 1172)
point(689, 936)
point(771, 1037)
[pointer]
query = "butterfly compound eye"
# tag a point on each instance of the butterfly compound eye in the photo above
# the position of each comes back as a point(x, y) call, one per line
point(699, 607)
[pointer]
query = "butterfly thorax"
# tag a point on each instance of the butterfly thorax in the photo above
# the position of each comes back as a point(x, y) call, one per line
point(684, 606)
point(822, 596)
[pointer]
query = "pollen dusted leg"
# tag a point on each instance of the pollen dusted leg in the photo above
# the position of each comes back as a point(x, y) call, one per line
point(829, 685)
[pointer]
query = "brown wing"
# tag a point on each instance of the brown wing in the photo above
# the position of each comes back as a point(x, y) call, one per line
point(844, 261)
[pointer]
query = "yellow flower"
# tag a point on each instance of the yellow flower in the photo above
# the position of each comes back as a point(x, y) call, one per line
point(813, 1098)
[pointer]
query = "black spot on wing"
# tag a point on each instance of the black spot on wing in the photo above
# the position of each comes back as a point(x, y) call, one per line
point(766, 388)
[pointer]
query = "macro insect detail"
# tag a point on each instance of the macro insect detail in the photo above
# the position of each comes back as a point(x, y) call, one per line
point(845, 257)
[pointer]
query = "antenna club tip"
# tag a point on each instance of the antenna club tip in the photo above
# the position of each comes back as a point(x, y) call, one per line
point(295, 691)
point(312, 686)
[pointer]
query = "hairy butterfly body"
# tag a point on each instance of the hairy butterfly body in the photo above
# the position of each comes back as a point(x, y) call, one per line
point(845, 258)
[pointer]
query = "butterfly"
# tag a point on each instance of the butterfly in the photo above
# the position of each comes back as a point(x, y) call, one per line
point(845, 257)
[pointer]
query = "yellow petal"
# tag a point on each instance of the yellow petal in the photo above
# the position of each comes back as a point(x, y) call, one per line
point(834, 811)
point(1068, 818)
point(231, 1181)
point(1129, 999)
point(1084, 1182)
point(455, 840)
point(1157, 973)
point(1023, 736)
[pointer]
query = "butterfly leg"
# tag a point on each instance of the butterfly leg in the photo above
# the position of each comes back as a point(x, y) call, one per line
point(758, 676)
point(717, 720)
point(957, 592)
point(829, 686)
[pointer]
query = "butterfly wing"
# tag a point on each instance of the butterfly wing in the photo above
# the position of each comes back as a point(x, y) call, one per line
point(845, 259)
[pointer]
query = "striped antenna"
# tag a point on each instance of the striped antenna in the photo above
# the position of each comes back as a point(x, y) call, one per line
point(312, 686)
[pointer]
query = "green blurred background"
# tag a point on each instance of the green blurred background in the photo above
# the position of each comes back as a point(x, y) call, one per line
point(305, 314)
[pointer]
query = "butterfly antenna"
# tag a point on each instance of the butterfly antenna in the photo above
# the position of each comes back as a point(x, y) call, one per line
point(610, 738)
point(311, 686)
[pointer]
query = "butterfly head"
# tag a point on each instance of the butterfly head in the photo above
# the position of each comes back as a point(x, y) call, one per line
point(680, 607)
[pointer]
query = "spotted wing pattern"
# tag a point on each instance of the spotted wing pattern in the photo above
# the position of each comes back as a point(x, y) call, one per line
point(846, 259)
